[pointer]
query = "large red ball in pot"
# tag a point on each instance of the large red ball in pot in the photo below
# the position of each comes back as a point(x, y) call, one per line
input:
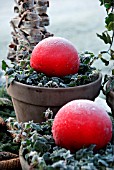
point(81, 123)
point(55, 56)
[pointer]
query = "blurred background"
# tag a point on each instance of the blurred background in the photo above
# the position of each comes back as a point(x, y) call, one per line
point(77, 21)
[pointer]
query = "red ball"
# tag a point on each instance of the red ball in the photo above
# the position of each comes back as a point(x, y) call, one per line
point(55, 56)
point(81, 123)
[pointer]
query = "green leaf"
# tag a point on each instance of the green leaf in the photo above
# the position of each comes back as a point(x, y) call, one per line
point(87, 60)
point(106, 62)
point(10, 71)
point(109, 18)
point(22, 63)
point(105, 2)
point(105, 37)
point(4, 65)
point(102, 162)
point(107, 5)
point(102, 37)
point(41, 146)
point(113, 72)
point(108, 38)
point(59, 165)
point(111, 26)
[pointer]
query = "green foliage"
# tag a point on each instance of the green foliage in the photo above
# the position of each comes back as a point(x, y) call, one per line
point(23, 73)
point(6, 111)
point(6, 106)
point(107, 3)
point(41, 152)
point(105, 37)
point(4, 65)
point(7, 144)
point(108, 38)
point(109, 20)
point(3, 93)
point(108, 35)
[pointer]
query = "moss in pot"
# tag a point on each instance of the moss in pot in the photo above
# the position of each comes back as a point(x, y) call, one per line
point(33, 92)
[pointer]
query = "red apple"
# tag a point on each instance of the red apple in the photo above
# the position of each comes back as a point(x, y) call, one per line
point(55, 56)
point(81, 123)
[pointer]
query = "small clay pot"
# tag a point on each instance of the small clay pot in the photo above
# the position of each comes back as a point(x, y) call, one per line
point(31, 101)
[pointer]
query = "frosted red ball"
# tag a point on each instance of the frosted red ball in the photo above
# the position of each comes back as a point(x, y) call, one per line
point(81, 123)
point(55, 56)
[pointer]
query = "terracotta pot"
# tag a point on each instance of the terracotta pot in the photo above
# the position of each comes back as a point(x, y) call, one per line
point(10, 164)
point(110, 99)
point(31, 101)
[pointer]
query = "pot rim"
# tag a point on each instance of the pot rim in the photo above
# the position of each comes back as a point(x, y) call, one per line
point(22, 159)
point(59, 88)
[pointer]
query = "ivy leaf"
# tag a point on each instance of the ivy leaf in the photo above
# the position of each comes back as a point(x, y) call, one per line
point(29, 81)
point(102, 162)
point(10, 71)
point(108, 38)
point(72, 84)
point(107, 5)
point(60, 164)
point(4, 65)
point(105, 37)
point(106, 62)
point(46, 156)
point(41, 146)
point(21, 77)
point(110, 26)
point(109, 18)
point(87, 60)
point(22, 63)
point(105, 2)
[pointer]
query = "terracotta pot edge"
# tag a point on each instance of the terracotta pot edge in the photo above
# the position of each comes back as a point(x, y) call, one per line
point(23, 160)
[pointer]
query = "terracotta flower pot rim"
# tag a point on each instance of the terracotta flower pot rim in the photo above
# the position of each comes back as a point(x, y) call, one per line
point(24, 163)
point(59, 88)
